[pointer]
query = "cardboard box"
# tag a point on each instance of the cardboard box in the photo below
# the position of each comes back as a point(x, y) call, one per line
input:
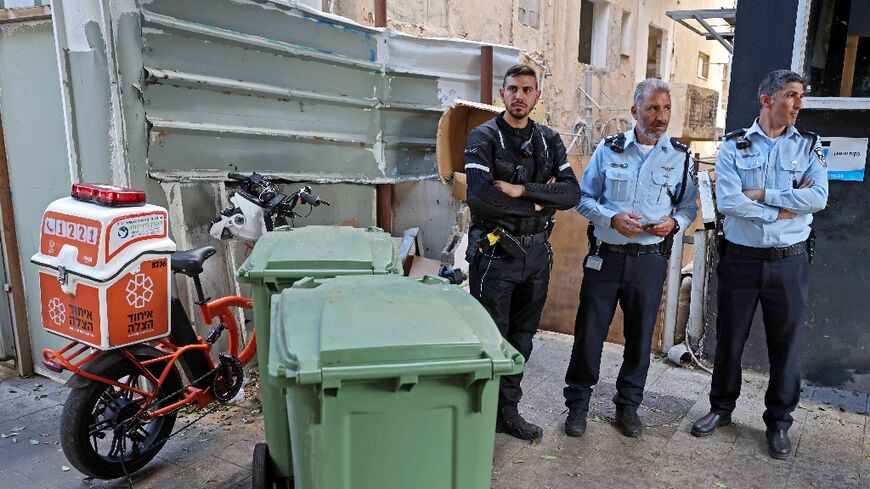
point(421, 266)
point(453, 129)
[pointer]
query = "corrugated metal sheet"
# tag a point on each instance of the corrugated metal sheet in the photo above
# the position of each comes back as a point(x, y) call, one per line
point(189, 90)
point(170, 95)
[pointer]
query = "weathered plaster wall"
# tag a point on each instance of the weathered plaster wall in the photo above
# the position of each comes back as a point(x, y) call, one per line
point(35, 148)
point(552, 48)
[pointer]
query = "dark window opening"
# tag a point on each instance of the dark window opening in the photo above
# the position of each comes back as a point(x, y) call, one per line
point(587, 19)
point(829, 28)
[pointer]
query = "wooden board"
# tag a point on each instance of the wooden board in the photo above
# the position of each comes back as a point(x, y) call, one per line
point(570, 247)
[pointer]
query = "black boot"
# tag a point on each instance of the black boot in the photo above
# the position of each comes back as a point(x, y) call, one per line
point(628, 421)
point(778, 444)
point(575, 424)
point(707, 424)
point(513, 424)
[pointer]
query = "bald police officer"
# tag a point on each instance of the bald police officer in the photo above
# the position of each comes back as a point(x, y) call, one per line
point(770, 179)
point(637, 191)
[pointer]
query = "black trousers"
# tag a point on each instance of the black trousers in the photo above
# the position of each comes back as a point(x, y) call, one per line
point(513, 292)
point(781, 286)
point(636, 283)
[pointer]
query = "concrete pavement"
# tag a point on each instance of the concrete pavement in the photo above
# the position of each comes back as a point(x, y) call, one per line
point(831, 436)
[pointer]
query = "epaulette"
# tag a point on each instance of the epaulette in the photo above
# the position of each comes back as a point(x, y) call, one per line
point(812, 137)
point(616, 142)
point(735, 133)
point(680, 146)
point(740, 134)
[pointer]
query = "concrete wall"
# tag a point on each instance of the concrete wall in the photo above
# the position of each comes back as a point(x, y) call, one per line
point(837, 331)
point(35, 146)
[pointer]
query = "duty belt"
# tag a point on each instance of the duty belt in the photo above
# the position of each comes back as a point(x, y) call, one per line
point(768, 254)
point(633, 249)
point(529, 240)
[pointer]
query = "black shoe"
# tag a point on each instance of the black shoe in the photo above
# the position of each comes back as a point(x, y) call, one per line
point(706, 425)
point(778, 444)
point(575, 424)
point(513, 424)
point(628, 422)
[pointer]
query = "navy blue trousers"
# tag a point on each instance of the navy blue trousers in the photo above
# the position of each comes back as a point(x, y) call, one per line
point(636, 283)
point(781, 287)
point(513, 291)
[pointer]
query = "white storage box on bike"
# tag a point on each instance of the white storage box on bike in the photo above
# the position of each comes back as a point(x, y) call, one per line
point(104, 267)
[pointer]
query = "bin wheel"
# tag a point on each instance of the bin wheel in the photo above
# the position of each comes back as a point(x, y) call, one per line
point(261, 468)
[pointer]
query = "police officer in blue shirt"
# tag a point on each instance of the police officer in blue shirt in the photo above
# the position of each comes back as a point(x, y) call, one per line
point(770, 179)
point(637, 191)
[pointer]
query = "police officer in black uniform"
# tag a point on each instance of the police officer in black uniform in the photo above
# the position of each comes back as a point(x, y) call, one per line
point(518, 176)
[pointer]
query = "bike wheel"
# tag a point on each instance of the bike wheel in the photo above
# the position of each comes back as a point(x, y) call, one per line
point(100, 433)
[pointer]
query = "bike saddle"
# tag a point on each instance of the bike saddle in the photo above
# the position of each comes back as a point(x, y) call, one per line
point(190, 262)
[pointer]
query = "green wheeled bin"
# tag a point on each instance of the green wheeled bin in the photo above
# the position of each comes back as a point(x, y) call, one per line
point(391, 382)
point(278, 260)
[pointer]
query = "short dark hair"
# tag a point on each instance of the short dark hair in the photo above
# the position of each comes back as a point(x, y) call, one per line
point(775, 80)
point(520, 70)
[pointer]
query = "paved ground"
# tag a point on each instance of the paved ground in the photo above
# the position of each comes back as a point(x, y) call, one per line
point(831, 436)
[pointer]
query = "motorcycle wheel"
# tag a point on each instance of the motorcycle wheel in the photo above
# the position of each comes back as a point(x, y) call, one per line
point(100, 433)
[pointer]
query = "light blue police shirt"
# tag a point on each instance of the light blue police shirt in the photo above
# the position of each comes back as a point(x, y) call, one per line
point(775, 166)
point(614, 183)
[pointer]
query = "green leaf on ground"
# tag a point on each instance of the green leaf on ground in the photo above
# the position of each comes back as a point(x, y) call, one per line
point(548, 457)
point(721, 485)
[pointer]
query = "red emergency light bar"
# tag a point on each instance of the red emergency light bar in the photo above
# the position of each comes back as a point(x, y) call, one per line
point(107, 195)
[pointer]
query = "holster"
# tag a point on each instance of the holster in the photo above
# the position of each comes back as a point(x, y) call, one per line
point(667, 244)
point(509, 244)
point(721, 244)
point(473, 251)
point(811, 246)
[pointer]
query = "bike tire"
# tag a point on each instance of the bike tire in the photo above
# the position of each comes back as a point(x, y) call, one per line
point(95, 403)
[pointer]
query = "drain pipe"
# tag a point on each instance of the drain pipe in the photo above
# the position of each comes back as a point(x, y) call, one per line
point(380, 13)
point(683, 353)
point(486, 75)
point(383, 191)
point(675, 265)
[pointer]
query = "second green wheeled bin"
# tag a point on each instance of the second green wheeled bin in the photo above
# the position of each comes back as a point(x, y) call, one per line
point(278, 260)
point(391, 382)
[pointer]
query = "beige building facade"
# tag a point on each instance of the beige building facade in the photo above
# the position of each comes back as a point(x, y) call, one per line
point(591, 52)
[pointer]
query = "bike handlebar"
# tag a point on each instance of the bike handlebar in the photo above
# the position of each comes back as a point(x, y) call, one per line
point(307, 197)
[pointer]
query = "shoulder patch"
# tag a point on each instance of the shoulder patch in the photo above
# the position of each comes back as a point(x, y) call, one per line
point(616, 142)
point(821, 155)
point(680, 146)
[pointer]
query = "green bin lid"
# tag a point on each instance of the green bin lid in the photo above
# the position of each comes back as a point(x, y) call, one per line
point(319, 252)
point(375, 327)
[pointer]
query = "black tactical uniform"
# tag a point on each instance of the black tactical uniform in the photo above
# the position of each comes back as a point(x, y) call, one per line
point(510, 278)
